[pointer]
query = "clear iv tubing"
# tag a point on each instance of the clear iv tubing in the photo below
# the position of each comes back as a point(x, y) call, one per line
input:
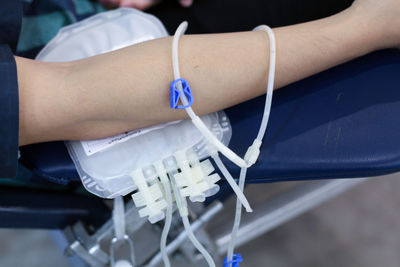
point(231, 181)
point(119, 217)
point(261, 133)
point(182, 207)
point(119, 227)
point(196, 120)
point(168, 218)
point(238, 215)
point(253, 151)
point(202, 127)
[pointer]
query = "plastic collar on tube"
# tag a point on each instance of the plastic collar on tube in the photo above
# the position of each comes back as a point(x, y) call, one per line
point(175, 94)
point(237, 258)
point(253, 152)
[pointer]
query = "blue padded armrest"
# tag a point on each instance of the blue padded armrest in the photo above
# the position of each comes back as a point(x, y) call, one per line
point(50, 161)
point(340, 123)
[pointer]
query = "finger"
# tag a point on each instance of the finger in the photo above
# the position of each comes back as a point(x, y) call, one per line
point(186, 3)
point(139, 4)
point(110, 3)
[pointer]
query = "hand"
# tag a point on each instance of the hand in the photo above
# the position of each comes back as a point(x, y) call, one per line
point(382, 17)
point(139, 4)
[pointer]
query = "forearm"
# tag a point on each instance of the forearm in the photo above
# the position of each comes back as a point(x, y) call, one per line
point(309, 48)
point(44, 105)
point(129, 88)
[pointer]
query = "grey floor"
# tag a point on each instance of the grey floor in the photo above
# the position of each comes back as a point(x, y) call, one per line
point(359, 228)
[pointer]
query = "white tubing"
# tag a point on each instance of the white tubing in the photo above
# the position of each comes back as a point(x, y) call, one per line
point(196, 242)
point(196, 225)
point(260, 136)
point(182, 207)
point(239, 192)
point(168, 217)
point(196, 120)
point(238, 215)
point(119, 217)
point(271, 79)
point(217, 144)
point(199, 123)
point(253, 150)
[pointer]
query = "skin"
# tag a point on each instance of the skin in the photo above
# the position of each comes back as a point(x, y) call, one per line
point(139, 4)
point(93, 98)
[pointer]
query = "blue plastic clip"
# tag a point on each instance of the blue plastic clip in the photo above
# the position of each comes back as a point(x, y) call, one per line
point(236, 259)
point(175, 94)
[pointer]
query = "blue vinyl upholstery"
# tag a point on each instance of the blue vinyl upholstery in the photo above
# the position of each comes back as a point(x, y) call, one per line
point(341, 123)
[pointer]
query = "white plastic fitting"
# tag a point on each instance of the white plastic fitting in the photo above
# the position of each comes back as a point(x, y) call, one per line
point(150, 197)
point(252, 153)
point(195, 180)
point(186, 179)
point(204, 170)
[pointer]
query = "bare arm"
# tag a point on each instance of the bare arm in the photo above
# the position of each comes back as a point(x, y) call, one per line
point(128, 88)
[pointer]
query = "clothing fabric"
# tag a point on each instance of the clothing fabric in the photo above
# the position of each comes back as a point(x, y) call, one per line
point(10, 21)
point(42, 19)
point(25, 27)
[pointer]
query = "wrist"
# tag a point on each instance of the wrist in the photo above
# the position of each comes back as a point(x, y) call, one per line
point(43, 101)
point(359, 31)
point(374, 28)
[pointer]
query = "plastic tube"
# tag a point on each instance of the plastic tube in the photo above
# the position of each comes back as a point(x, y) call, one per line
point(253, 151)
point(195, 119)
point(271, 80)
point(212, 211)
point(196, 242)
point(238, 191)
point(260, 136)
point(238, 215)
point(182, 207)
point(199, 123)
point(119, 217)
point(168, 218)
